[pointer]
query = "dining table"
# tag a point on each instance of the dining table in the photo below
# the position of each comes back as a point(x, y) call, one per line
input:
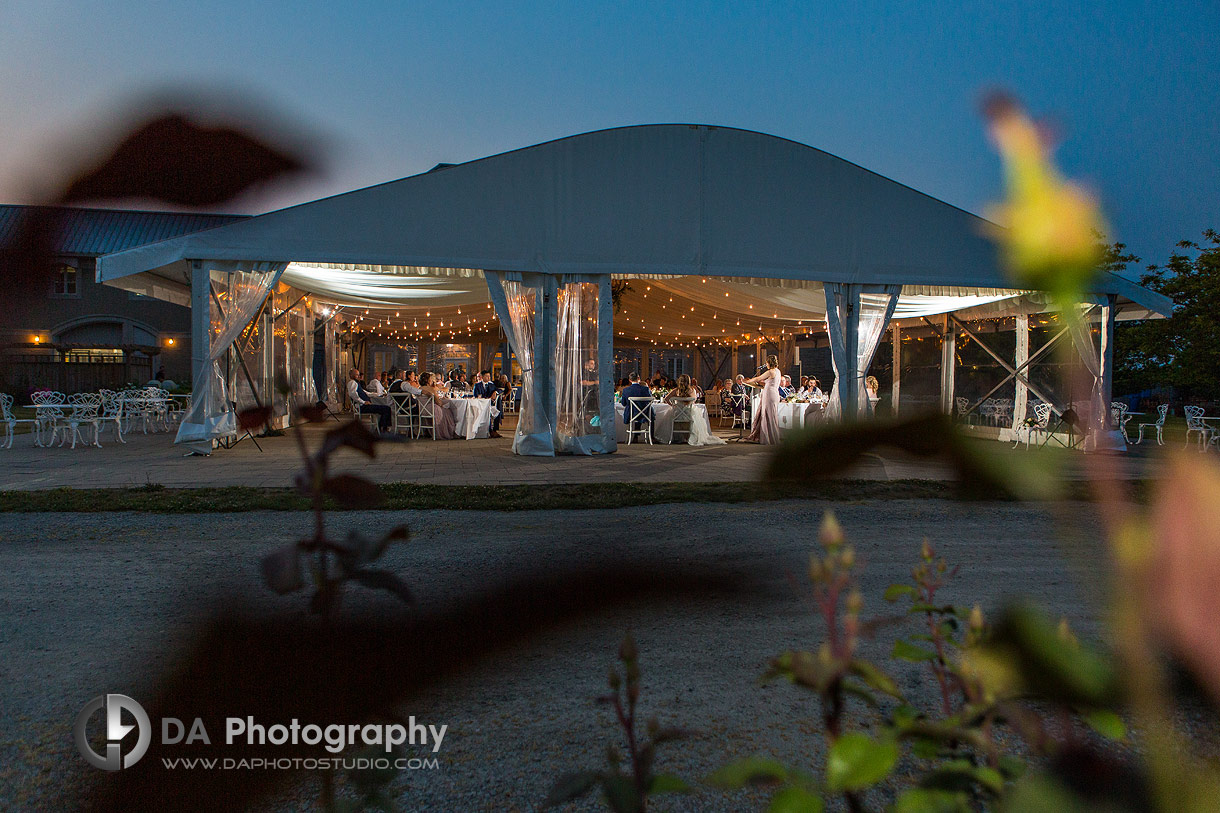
point(662, 422)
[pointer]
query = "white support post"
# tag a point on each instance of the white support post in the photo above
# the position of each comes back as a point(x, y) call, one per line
point(1109, 314)
point(1020, 401)
point(896, 365)
point(948, 361)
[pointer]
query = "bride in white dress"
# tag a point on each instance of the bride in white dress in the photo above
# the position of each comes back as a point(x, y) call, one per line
point(700, 429)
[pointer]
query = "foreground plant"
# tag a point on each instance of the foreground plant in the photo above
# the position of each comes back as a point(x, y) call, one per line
point(331, 563)
point(629, 790)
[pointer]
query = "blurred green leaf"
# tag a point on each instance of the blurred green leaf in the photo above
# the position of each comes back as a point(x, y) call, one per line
point(1038, 793)
point(906, 651)
point(895, 591)
point(796, 799)
point(621, 794)
point(1106, 723)
point(982, 471)
point(928, 800)
point(668, 783)
point(571, 786)
point(1049, 666)
point(874, 677)
point(857, 761)
point(749, 771)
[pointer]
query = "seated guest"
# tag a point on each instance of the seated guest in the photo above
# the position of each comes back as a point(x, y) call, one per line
point(658, 380)
point(362, 402)
point(785, 387)
point(682, 389)
point(634, 389)
point(811, 389)
point(443, 422)
point(484, 388)
point(739, 385)
point(397, 377)
point(410, 382)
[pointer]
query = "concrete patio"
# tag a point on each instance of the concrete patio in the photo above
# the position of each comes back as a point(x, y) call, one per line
point(154, 459)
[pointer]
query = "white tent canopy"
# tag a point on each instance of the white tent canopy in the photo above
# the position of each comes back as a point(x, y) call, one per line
point(697, 210)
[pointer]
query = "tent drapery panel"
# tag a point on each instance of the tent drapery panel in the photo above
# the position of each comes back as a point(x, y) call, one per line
point(236, 291)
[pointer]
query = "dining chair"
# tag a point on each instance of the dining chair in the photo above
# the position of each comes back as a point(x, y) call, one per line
point(684, 415)
point(425, 420)
point(639, 414)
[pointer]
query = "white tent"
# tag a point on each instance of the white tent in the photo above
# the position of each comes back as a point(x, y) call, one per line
point(698, 210)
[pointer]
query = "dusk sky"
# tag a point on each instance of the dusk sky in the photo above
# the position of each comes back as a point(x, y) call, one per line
point(389, 89)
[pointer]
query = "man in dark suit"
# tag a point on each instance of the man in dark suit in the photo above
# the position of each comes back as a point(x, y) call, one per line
point(485, 388)
point(634, 389)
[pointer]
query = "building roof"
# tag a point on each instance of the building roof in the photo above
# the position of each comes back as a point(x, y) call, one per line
point(88, 232)
point(660, 199)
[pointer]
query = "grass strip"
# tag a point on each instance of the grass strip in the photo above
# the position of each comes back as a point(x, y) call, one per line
point(156, 499)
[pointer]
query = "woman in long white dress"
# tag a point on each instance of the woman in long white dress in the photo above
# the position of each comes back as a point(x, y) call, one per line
point(766, 420)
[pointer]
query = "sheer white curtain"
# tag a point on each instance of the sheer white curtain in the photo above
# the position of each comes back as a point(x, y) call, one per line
point(1082, 339)
point(516, 306)
point(577, 371)
point(874, 317)
point(235, 297)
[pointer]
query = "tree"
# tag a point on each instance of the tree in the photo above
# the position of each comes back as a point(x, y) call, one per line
point(1182, 351)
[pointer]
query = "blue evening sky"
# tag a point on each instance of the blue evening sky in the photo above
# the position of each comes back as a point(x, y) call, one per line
point(389, 89)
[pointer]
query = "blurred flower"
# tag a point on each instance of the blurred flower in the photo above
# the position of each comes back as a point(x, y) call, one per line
point(1049, 239)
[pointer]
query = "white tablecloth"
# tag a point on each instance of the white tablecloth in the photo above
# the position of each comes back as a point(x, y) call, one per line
point(663, 424)
point(471, 416)
point(792, 416)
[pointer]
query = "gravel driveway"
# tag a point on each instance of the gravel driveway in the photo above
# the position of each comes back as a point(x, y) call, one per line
point(95, 603)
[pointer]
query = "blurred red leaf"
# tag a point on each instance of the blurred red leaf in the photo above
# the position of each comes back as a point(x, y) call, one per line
point(352, 434)
point(352, 491)
point(314, 413)
point(178, 161)
point(254, 417)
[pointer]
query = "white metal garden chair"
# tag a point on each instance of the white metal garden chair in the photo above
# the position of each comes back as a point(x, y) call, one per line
point(1042, 417)
point(1120, 413)
point(1159, 425)
point(49, 418)
point(1196, 424)
point(10, 420)
point(111, 412)
point(85, 406)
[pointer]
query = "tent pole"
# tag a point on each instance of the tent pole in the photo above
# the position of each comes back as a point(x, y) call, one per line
point(948, 359)
point(201, 323)
point(1020, 401)
point(1109, 314)
point(895, 366)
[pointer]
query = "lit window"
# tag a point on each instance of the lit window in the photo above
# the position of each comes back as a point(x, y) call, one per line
point(65, 281)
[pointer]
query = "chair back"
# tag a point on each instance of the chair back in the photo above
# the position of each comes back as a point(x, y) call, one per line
point(1161, 412)
point(639, 408)
point(6, 406)
point(84, 405)
point(1194, 416)
point(711, 398)
point(962, 405)
point(1043, 413)
point(684, 409)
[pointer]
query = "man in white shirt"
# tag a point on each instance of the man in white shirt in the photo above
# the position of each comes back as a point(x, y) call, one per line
point(362, 402)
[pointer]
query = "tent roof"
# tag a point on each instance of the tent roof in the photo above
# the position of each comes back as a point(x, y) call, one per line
point(669, 199)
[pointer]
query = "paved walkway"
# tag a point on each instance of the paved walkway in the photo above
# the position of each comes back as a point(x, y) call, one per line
point(154, 459)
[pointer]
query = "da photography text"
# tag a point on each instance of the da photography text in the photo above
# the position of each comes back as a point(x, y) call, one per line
point(122, 751)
